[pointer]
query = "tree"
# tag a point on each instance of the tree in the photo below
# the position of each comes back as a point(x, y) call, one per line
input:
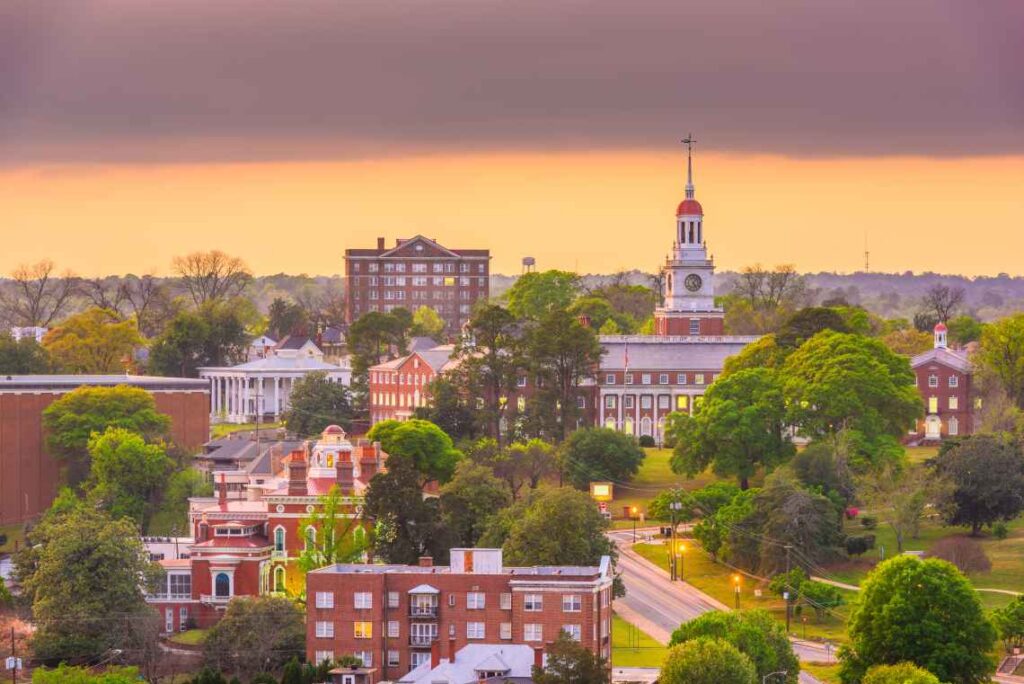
point(526, 463)
point(596, 454)
point(986, 481)
point(36, 296)
point(258, 634)
point(808, 322)
point(764, 353)
point(286, 318)
point(635, 301)
point(918, 611)
point(426, 446)
point(94, 341)
point(964, 553)
point(942, 301)
point(449, 409)
point(150, 301)
point(71, 420)
point(212, 276)
point(22, 357)
point(536, 295)
point(64, 674)
point(570, 662)
point(83, 573)
point(561, 353)
point(908, 341)
point(739, 427)
point(316, 401)
point(173, 512)
point(901, 673)
point(127, 473)
point(964, 329)
point(839, 382)
point(1002, 355)
point(339, 537)
point(701, 503)
point(1009, 622)
point(426, 322)
point(600, 313)
point(558, 526)
point(707, 661)
point(903, 493)
point(754, 633)
point(373, 338)
point(820, 466)
point(469, 501)
point(216, 334)
point(821, 597)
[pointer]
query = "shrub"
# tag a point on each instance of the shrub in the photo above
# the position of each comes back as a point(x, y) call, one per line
point(903, 673)
point(966, 554)
point(869, 522)
point(999, 531)
point(857, 545)
point(647, 441)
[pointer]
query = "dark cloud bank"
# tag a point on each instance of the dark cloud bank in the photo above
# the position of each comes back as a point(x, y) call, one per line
point(195, 80)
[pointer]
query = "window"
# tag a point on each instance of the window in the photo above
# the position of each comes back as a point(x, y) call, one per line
point(954, 381)
point(680, 378)
point(419, 268)
point(646, 401)
point(533, 632)
point(533, 603)
point(400, 282)
point(505, 631)
point(325, 599)
point(481, 282)
point(372, 268)
point(222, 585)
point(698, 378)
point(954, 426)
point(663, 379)
point(604, 628)
point(183, 619)
point(521, 404)
point(451, 630)
point(933, 404)
point(629, 378)
point(628, 403)
point(279, 539)
point(695, 326)
point(366, 657)
point(393, 629)
point(363, 600)
point(609, 401)
point(645, 379)
point(521, 381)
point(581, 402)
point(310, 537)
point(180, 586)
point(474, 630)
point(394, 658)
point(392, 599)
point(475, 600)
point(682, 403)
point(417, 658)
point(506, 602)
point(574, 631)
point(399, 268)
point(933, 380)
point(324, 629)
point(609, 379)
point(451, 600)
point(280, 584)
point(449, 281)
point(463, 281)
point(438, 268)
point(571, 603)
point(363, 629)
point(664, 401)
point(389, 268)
point(321, 656)
point(954, 403)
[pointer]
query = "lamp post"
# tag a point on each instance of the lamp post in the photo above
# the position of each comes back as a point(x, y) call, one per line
point(633, 514)
point(736, 584)
point(764, 680)
point(682, 562)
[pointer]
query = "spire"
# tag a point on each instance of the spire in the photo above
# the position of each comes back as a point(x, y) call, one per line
point(689, 141)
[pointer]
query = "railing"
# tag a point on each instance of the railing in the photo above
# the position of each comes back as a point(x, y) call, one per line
point(166, 596)
point(215, 600)
point(417, 641)
point(423, 612)
point(278, 554)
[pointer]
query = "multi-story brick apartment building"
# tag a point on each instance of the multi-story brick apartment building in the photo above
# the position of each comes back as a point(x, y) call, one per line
point(392, 616)
point(944, 379)
point(29, 475)
point(416, 272)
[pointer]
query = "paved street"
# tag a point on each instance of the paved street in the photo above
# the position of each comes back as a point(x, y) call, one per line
point(658, 606)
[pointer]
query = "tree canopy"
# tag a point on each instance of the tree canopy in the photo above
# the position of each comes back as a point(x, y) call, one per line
point(94, 341)
point(316, 401)
point(596, 454)
point(217, 333)
point(469, 501)
point(985, 474)
point(127, 474)
point(901, 673)
point(707, 661)
point(535, 295)
point(22, 357)
point(753, 633)
point(257, 634)
point(570, 662)
point(1001, 355)
point(426, 445)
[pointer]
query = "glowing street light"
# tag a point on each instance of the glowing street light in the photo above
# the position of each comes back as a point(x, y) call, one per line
point(633, 513)
point(680, 549)
point(736, 583)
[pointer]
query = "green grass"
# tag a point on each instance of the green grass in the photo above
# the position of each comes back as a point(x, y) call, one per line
point(192, 637)
point(15, 534)
point(715, 580)
point(632, 647)
point(219, 430)
point(829, 674)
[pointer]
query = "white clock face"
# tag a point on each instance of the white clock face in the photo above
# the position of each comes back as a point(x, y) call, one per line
point(693, 282)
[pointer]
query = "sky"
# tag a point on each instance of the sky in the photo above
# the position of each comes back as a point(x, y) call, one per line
point(286, 132)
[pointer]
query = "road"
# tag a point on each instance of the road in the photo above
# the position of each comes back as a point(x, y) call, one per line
point(657, 606)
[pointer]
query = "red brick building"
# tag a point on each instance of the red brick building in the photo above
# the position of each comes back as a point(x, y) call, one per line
point(416, 272)
point(393, 616)
point(29, 475)
point(399, 386)
point(944, 379)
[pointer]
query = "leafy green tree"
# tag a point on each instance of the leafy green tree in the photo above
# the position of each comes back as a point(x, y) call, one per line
point(603, 316)
point(739, 427)
point(469, 501)
point(838, 381)
point(258, 634)
point(808, 322)
point(71, 420)
point(637, 302)
point(292, 672)
point(449, 409)
point(713, 529)
point(518, 465)
point(172, 516)
point(570, 662)
point(316, 401)
point(535, 295)
point(94, 341)
point(208, 676)
point(373, 338)
point(83, 574)
point(901, 673)
point(700, 503)
point(707, 661)
point(425, 444)
point(339, 538)
point(22, 357)
point(903, 494)
point(1009, 621)
point(819, 466)
point(964, 329)
point(923, 612)
point(428, 323)
point(596, 454)
point(821, 597)
point(65, 674)
point(406, 525)
point(127, 473)
point(286, 318)
point(764, 353)
point(215, 334)
point(908, 341)
point(1001, 355)
point(561, 353)
point(753, 633)
point(986, 481)
point(557, 526)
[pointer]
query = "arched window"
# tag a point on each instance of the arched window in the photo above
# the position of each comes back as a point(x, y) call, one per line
point(279, 539)
point(279, 583)
point(627, 426)
point(310, 537)
point(222, 585)
point(953, 427)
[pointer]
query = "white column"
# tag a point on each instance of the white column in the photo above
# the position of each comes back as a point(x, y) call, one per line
point(234, 399)
point(245, 399)
point(277, 397)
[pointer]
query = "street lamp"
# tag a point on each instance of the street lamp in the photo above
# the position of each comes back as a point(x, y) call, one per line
point(633, 514)
point(764, 680)
point(736, 584)
point(674, 507)
point(682, 564)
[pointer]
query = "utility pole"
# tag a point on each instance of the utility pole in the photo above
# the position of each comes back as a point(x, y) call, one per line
point(789, 603)
point(14, 658)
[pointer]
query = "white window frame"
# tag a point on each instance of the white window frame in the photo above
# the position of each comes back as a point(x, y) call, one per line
point(575, 631)
point(394, 629)
point(476, 630)
point(533, 631)
point(506, 602)
point(505, 631)
point(476, 600)
point(325, 599)
point(362, 600)
point(954, 381)
point(533, 603)
point(572, 603)
point(324, 629)
point(933, 380)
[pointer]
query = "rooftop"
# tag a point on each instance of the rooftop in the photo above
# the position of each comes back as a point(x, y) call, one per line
point(35, 382)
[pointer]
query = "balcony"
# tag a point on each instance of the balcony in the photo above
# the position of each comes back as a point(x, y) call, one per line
point(421, 641)
point(423, 612)
point(212, 600)
point(168, 596)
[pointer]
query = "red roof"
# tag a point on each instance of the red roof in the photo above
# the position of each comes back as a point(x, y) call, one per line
point(333, 430)
point(253, 542)
point(940, 327)
point(689, 207)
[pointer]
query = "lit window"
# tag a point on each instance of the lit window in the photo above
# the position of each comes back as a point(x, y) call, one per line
point(682, 403)
point(933, 404)
point(954, 403)
point(363, 629)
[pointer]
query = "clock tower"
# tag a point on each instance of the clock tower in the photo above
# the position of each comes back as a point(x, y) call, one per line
point(688, 277)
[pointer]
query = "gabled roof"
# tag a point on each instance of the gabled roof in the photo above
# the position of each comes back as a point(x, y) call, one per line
point(294, 342)
point(514, 661)
point(951, 358)
point(423, 589)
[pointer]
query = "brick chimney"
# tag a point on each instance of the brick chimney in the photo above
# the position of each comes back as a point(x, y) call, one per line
point(380, 243)
point(426, 562)
point(345, 476)
point(368, 461)
point(538, 657)
point(222, 491)
point(435, 654)
point(297, 474)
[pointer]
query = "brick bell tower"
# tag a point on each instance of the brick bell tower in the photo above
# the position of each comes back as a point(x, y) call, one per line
point(688, 283)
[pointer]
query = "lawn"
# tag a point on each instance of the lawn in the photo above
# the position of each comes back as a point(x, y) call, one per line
point(192, 637)
point(632, 647)
point(14, 534)
point(829, 674)
point(219, 430)
point(715, 580)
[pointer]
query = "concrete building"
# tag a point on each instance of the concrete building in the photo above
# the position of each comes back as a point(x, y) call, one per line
point(29, 475)
point(416, 272)
point(394, 617)
point(944, 378)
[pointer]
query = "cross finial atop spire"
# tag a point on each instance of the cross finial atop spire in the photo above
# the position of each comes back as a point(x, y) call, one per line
point(689, 141)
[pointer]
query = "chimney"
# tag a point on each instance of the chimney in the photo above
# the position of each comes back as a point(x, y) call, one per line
point(368, 461)
point(345, 477)
point(426, 562)
point(297, 474)
point(380, 243)
point(435, 654)
point(538, 657)
point(222, 491)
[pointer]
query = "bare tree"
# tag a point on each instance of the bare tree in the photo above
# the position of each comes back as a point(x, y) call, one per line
point(323, 306)
point(108, 293)
point(36, 296)
point(211, 276)
point(943, 301)
point(768, 290)
point(148, 298)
